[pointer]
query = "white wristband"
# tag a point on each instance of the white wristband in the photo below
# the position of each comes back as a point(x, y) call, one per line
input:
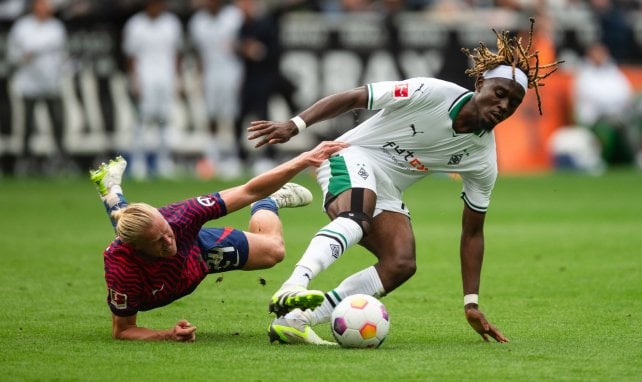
point(299, 122)
point(471, 299)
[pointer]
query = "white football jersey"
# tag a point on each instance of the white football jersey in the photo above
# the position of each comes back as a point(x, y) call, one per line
point(412, 136)
point(39, 51)
point(154, 44)
point(215, 37)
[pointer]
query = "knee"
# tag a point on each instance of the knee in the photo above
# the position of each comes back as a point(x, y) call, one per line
point(404, 267)
point(275, 254)
point(396, 270)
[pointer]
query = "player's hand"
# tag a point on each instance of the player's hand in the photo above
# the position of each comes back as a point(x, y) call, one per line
point(321, 152)
point(485, 329)
point(184, 331)
point(271, 132)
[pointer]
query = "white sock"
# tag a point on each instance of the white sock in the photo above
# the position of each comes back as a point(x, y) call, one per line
point(112, 198)
point(325, 247)
point(301, 276)
point(212, 151)
point(164, 152)
point(366, 281)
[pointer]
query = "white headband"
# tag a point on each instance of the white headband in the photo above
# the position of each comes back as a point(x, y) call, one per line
point(505, 71)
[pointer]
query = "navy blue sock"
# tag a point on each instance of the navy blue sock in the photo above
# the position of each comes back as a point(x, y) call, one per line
point(265, 204)
point(122, 203)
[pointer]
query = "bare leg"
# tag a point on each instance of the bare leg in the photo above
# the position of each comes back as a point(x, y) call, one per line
point(265, 238)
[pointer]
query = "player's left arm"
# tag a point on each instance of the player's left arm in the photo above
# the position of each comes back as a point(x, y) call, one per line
point(125, 328)
point(472, 255)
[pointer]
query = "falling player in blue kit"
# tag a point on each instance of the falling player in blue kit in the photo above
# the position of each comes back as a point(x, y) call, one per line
point(424, 126)
point(161, 255)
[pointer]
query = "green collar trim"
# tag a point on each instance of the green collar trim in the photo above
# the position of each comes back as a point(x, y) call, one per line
point(456, 108)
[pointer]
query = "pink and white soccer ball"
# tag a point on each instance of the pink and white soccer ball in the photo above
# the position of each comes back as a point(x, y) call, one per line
point(360, 321)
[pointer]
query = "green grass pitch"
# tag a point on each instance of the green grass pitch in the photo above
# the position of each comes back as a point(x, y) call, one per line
point(562, 279)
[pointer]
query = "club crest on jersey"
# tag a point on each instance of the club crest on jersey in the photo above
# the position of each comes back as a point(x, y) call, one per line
point(117, 299)
point(206, 201)
point(401, 90)
point(456, 158)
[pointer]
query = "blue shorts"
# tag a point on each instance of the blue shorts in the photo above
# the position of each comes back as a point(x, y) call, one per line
point(223, 249)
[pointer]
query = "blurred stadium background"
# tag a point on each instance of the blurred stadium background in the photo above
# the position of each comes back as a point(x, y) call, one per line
point(327, 46)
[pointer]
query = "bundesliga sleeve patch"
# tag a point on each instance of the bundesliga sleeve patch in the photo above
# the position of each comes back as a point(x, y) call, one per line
point(401, 90)
point(117, 299)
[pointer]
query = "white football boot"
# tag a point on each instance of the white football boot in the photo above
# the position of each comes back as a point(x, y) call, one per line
point(292, 195)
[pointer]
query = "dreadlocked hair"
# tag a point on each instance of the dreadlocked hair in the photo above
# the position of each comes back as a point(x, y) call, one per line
point(511, 52)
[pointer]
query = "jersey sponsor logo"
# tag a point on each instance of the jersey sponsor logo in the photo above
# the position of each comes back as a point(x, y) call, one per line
point(117, 299)
point(396, 153)
point(401, 90)
point(206, 201)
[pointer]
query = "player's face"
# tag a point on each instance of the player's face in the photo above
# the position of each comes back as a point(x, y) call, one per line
point(155, 8)
point(159, 239)
point(496, 100)
point(42, 9)
point(213, 6)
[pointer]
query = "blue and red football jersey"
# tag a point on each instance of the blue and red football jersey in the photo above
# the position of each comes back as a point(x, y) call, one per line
point(137, 282)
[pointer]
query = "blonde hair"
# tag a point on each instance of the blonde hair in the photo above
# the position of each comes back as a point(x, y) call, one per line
point(511, 52)
point(133, 220)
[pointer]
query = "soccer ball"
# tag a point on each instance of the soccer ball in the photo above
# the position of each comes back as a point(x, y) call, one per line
point(360, 321)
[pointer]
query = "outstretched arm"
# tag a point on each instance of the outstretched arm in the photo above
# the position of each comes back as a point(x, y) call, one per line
point(125, 328)
point(328, 107)
point(267, 183)
point(472, 255)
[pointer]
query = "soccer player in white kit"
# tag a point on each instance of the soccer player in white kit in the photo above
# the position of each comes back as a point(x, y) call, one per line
point(37, 46)
point(214, 32)
point(152, 40)
point(424, 125)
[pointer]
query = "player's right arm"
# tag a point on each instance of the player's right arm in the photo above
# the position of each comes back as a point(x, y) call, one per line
point(268, 182)
point(328, 107)
point(125, 328)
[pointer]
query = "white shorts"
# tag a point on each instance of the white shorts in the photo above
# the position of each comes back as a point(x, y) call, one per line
point(354, 168)
point(157, 101)
point(222, 94)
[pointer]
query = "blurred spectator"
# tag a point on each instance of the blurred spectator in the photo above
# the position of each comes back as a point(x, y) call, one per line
point(260, 49)
point(37, 47)
point(603, 96)
point(334, 6)
point(214, 32)
point(390, 10)
point(96, 28)
point(152, 40)
point(616, 31)
point(11, 9)
point(576, 148)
